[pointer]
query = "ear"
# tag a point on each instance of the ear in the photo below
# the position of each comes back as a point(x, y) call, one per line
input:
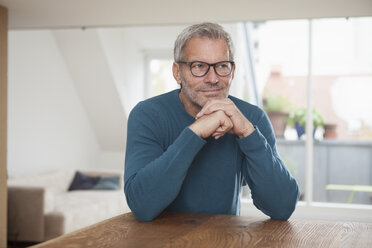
point(177, 72)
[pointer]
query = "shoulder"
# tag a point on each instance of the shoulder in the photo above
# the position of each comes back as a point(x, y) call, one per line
point(155, 106)
point(252, 112)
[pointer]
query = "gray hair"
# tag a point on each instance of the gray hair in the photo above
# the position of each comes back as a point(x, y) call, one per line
point(209, 30)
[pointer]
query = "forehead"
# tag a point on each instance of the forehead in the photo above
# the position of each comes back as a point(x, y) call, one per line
point(206, 49)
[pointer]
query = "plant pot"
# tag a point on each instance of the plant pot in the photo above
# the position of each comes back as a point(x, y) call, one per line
point(277, 119)
point(301, 130)
point(330, 131)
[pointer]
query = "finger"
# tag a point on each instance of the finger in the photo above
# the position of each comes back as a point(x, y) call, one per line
point(225, 105)
point(210, 107)
point(217, 136)
point(216, 133)
point(220, 129)
point(225, 127)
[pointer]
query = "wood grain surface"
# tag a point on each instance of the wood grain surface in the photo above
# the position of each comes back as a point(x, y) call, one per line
point(205, 230)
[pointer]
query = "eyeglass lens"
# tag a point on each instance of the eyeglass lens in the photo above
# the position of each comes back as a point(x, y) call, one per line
point(200, 69)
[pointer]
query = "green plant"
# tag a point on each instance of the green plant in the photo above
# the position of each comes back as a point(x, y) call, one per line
point(276, 103)
point(298, 115)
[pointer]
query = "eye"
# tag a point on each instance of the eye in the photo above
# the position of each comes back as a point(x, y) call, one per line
point(223, 65)
point(197, 65)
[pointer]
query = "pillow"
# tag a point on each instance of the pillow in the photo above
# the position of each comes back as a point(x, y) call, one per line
point(107, 183)
point(82, 181)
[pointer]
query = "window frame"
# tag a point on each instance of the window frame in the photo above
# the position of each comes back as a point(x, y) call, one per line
point(308, 208)
point(151, 55)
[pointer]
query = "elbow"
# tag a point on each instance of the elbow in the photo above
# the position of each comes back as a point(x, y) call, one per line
point(287, 206)
point(280, 206)
point(282, 215)
point(140, 208)
point(144, 217)
point(279, 211)
point(284, 212)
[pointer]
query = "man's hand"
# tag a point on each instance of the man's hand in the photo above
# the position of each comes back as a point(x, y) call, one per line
point(215, 124)
point(241, 126)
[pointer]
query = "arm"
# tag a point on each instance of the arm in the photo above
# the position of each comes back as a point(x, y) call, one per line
point(153, 177)
point(154, 174)
point(274, 191)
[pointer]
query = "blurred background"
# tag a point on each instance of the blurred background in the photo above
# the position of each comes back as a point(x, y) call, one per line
point(77, 68)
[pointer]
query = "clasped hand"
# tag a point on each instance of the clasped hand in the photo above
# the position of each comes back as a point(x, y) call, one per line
point(218, 117)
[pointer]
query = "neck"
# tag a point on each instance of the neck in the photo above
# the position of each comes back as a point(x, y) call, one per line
point(190, 108)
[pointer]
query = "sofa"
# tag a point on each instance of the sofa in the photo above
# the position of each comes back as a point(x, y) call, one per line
point(41, 206)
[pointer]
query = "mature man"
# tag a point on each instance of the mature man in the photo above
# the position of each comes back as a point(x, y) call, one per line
point(192, 149)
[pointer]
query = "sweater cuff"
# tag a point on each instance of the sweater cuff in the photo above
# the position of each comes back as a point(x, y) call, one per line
point(189, 142)
point(252, 142)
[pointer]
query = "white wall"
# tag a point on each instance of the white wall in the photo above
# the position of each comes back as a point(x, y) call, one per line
point(126, 49)
point(47, 125)
point(86, 62)
point(111, 160)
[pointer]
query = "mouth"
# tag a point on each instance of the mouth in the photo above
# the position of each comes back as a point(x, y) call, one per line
point(210, 92)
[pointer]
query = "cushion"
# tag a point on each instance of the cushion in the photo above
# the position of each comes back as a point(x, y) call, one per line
point(82, 181)
point(108, 183)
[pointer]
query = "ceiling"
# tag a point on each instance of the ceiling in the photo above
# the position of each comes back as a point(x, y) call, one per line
point(31, 14)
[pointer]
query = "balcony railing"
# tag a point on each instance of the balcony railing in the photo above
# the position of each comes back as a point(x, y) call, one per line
point(335, 162)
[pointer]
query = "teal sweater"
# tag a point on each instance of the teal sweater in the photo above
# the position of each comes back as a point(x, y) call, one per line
point(169, 167)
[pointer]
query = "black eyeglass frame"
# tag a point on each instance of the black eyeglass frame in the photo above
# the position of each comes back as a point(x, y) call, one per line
point(209, 67)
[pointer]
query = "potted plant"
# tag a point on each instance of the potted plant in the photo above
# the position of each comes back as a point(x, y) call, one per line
point(277, 108)
point(330, 131)
point(297, 119)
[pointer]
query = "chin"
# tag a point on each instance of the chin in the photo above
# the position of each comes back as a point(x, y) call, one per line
point(204, 99)
point(215, 97)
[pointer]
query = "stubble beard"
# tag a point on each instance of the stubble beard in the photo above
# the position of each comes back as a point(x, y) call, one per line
point(192, 95)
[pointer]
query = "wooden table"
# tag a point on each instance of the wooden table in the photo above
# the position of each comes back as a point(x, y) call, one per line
point(204, 230)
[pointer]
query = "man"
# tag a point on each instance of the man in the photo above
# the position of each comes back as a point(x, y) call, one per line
point(192, 149)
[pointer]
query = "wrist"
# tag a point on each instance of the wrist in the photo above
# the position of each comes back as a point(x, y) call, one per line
point(194, 129)
point(247, 131)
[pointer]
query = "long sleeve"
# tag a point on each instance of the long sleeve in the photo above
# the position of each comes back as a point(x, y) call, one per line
point(168, 167)
point(153, 173)
point(274, 191)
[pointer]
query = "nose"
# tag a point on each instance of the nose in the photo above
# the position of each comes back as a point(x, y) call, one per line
point(211, 77)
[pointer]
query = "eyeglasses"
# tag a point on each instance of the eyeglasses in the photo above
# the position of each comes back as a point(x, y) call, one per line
point(200, 69)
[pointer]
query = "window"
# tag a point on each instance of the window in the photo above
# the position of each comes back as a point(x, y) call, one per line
point(159, 74)
point(342, 82)
point(341, 75)
point(280, 51)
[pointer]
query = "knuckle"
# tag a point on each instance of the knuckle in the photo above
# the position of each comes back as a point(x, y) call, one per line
point(220, 113)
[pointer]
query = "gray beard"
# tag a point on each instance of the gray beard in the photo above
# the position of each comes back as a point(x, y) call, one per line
point(192, 95)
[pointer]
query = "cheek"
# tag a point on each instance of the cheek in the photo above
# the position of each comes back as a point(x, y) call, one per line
point(186, 78)
point(192, 82)
point(227, 82)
